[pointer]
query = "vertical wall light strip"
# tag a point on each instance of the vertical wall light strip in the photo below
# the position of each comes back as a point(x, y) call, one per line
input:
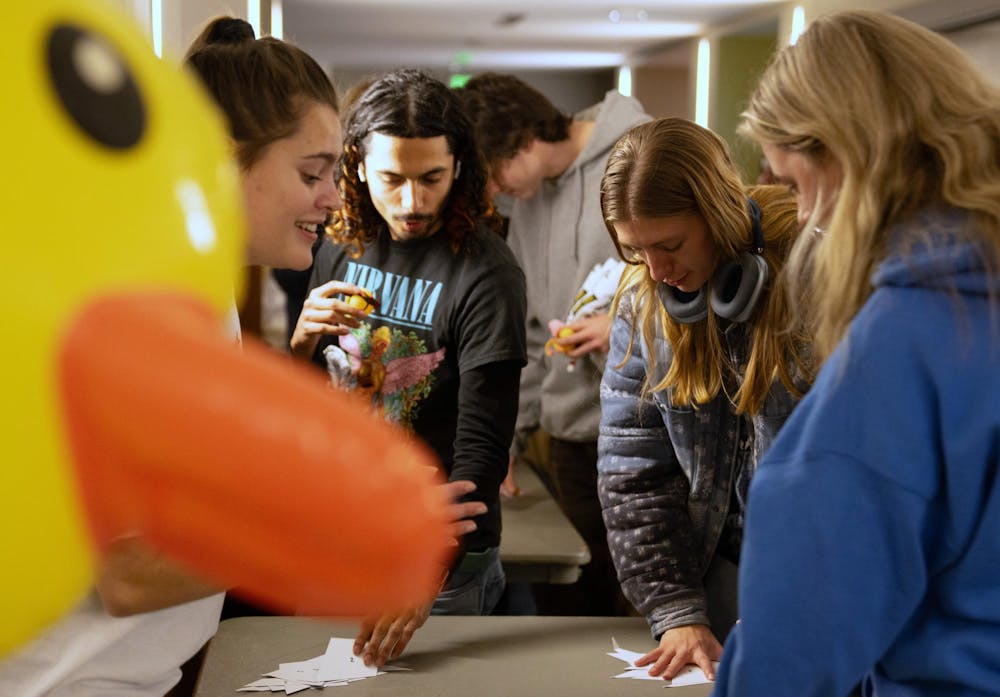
point(702, 83)
point(625, 80)
point(253, 15)
point(156, 24)
point(798, 24)
point(277, 20)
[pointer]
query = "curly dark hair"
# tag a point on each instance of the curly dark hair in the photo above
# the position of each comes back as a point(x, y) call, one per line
point(410, 103)
point(507, 114)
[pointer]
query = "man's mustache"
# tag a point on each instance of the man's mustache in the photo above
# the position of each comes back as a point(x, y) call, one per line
point(414, 218)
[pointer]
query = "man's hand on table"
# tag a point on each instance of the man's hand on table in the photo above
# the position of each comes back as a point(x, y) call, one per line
point(383, 637)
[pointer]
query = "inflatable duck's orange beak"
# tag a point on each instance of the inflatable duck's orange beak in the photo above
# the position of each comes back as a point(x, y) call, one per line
point(242, 466)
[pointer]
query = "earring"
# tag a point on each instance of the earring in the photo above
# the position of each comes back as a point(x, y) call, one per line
point(361, 172)
point(458, 168)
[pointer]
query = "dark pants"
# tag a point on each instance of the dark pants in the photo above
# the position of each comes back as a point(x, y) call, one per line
point(571, 475)
point(474, 591)
point(720, 595)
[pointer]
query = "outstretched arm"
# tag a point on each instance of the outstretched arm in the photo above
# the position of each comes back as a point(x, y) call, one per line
point(644, 494)
point(134, 578)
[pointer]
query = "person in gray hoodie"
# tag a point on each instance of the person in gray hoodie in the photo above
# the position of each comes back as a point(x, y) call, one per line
point(551, 165)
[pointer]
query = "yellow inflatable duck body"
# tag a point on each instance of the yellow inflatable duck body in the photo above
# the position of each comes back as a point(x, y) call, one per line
point(126, 410)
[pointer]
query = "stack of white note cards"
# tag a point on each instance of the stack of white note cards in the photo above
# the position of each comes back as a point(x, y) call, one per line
point(690, 675)
point(335, 668)
point(598, 290)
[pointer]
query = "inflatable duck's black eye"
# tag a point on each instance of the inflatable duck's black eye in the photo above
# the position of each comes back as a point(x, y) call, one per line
point(96, 87)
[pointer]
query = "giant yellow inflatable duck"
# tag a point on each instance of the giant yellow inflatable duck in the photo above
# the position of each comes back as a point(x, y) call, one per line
point(125, 410)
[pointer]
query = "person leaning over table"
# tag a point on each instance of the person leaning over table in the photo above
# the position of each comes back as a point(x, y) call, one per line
point(872, 549)
point(442, 351)
point(704, 368)
point(284, 119)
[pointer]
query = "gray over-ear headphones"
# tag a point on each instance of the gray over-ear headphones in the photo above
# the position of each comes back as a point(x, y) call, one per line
point(733, 290)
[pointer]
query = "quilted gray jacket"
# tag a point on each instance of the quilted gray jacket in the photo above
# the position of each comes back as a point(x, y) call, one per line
point(666, 475)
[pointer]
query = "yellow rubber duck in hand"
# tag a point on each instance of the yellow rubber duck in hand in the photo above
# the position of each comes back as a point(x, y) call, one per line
point(552, 346)
point(560, 330)
point(126, 411)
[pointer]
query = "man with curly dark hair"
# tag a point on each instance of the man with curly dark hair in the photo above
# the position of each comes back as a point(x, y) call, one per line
point(437, 337)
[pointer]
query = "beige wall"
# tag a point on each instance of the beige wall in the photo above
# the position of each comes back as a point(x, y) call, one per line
point(663, 90)
point(139, 10)
point(736, 61)
point(739, 62)
point(183, 19)
point(982, 44)
point(815, 8)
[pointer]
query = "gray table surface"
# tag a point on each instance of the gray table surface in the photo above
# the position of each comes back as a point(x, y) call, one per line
point(524, 656)
point(538, 543)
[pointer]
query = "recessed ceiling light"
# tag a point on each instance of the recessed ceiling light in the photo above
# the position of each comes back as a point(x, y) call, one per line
point(628, 14)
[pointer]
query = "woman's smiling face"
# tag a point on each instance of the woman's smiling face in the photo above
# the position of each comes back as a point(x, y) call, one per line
point(289, 191)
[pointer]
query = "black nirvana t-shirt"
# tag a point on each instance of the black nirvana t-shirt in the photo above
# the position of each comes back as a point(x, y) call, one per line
point(440, 315)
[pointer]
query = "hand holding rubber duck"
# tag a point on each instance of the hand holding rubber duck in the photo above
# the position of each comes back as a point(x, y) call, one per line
point(588, 326)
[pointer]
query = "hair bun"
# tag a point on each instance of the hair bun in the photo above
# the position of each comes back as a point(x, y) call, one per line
point(229, 30)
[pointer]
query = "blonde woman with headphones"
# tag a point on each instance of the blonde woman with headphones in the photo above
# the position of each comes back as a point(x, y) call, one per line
point(704, 368)
point(872, 548)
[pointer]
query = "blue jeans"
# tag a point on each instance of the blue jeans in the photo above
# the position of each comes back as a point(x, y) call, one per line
point(473, 592)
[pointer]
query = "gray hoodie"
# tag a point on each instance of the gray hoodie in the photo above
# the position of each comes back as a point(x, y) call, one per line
point(558, 236)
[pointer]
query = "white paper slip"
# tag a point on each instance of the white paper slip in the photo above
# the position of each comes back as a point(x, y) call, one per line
point(629, 657)
point(263, 685)
point(597, 290)
point(300, 671)
point(338, 667)
point(689, 675)
point(639, 674)
point(340, 663)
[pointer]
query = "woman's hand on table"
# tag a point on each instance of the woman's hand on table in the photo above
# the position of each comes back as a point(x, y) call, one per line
point(694, 644)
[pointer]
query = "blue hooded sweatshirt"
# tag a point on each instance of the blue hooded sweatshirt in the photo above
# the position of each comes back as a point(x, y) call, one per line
point(872, 543)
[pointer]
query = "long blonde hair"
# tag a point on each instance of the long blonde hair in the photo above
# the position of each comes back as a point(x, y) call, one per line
point(670, 167)
point(911, 123)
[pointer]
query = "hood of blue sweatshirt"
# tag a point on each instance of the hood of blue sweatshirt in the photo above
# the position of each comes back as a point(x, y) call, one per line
point(933, 250)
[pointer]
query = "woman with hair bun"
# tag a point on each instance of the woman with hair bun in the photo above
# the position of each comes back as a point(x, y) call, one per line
point(872, 547)
point(282, 114)
point(704, 368)
point(283, 117)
